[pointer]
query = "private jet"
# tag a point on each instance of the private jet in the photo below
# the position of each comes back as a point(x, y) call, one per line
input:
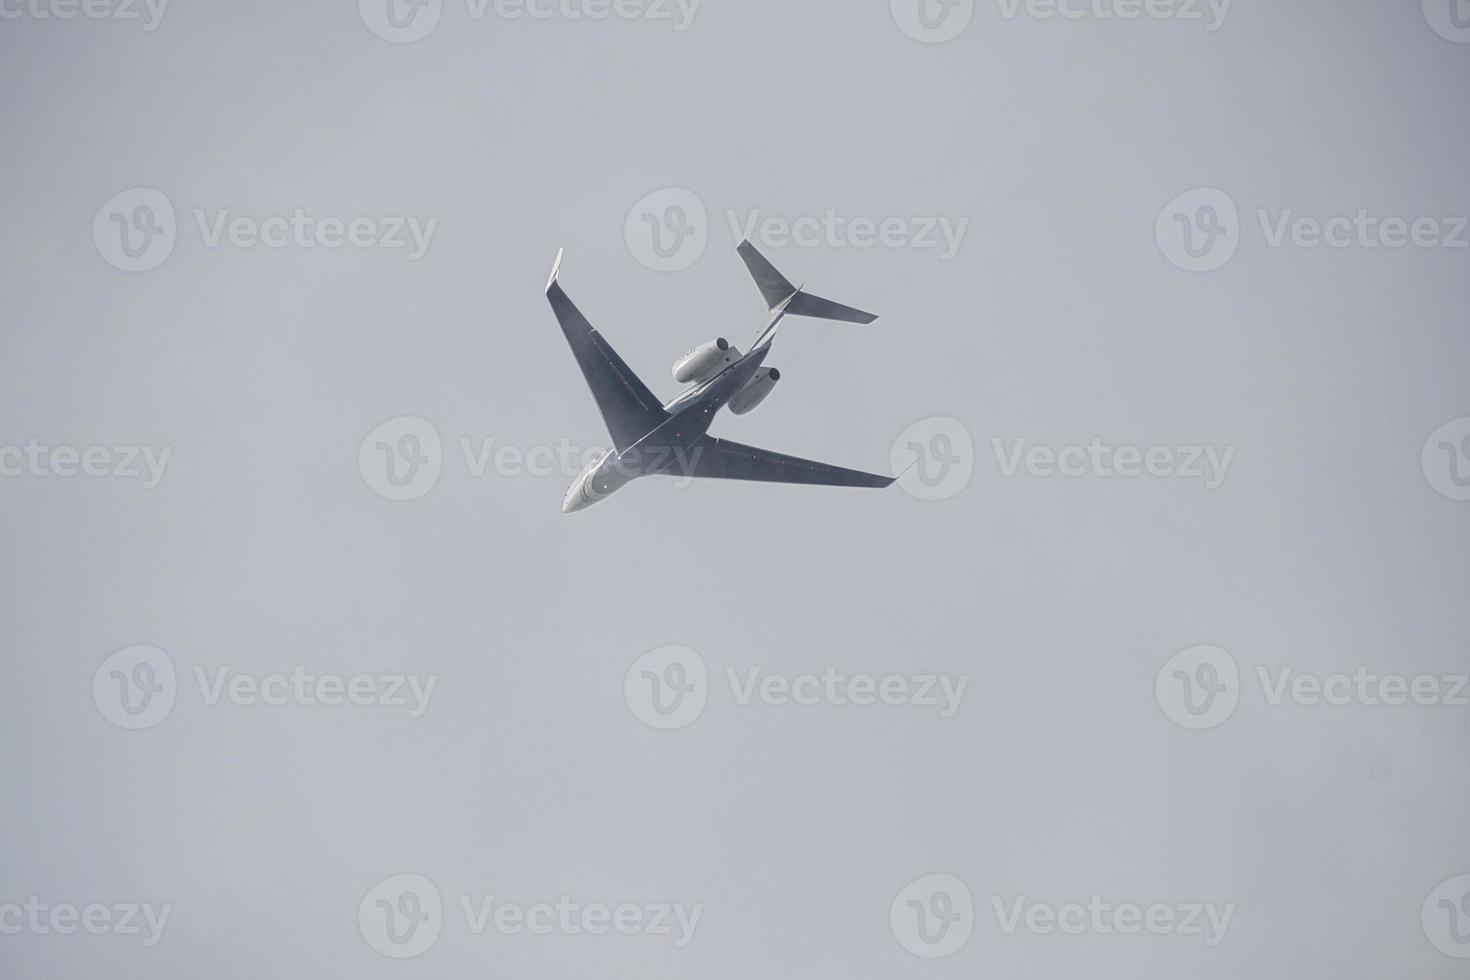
point(672, 439)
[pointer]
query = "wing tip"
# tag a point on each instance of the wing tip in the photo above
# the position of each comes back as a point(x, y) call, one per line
point(903, 474)
point(555, 269)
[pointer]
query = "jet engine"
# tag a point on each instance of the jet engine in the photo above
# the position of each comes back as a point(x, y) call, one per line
point(755, 390)
point(704, 361)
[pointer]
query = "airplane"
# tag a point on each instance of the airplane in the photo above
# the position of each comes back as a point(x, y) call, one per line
point(672, 439)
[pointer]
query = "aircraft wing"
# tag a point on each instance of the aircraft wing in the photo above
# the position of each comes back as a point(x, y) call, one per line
point(722, 459)
point(629, 410)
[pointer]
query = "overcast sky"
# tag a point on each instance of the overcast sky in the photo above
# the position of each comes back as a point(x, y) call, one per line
point(1172, 305)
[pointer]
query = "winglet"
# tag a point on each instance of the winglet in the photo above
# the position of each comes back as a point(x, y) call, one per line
point(906, 470)
point(555, 269)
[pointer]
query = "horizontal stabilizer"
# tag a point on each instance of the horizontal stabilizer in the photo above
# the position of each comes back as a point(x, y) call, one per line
point(780, 294)
point(805, 304)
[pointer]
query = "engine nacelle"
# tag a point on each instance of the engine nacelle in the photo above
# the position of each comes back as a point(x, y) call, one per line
point(704, 361)
point(755, 390)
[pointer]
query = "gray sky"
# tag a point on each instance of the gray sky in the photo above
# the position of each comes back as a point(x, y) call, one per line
point(1221, 248)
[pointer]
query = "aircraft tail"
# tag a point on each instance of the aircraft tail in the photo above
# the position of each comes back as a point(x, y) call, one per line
point(781, 295)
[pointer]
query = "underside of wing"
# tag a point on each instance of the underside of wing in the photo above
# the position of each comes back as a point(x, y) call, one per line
point(629, 410)
point(722, 459)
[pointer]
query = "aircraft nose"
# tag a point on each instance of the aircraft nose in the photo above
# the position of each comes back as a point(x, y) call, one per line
point(574, 500)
